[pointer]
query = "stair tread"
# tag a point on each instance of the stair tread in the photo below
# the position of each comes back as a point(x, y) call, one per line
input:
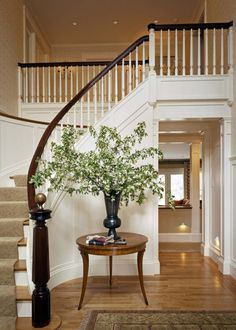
point(15, 219)
point(22, 293)
point(22, 242)
point(13, 202)
point(20, 266)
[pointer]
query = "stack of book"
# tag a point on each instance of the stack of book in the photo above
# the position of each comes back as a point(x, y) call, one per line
point(104, 240)
point(99, 240)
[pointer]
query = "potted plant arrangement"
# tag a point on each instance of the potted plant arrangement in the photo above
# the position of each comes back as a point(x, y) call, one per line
point(117, 167)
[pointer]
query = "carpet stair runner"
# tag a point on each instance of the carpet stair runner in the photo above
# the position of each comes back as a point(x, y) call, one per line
point(13, 217)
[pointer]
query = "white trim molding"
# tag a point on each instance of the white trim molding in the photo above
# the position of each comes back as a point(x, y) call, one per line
point(180, 237)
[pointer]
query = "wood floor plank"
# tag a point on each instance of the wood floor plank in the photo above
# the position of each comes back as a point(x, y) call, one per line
point(188, 281)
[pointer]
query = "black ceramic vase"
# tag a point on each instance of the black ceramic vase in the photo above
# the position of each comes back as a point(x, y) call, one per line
point(112, 221)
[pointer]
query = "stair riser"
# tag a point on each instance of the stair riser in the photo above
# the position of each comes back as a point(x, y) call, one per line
point(22, 252)
point(21, 278)
point(24, 308)
point(14, 210)
point(13, 194)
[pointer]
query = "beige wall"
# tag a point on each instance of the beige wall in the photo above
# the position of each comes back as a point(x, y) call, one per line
point(11, 52)
point(224, 11)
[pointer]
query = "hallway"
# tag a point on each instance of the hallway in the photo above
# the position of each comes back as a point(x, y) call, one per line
point(188, 281)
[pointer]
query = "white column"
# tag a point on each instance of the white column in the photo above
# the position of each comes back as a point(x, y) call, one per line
point(225, 175)
point(206, 196)
point(195, 186)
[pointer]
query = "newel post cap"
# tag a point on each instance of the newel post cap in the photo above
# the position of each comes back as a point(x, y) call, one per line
point(39, 213)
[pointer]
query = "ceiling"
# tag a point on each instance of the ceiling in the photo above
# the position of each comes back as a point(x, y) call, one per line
point(93, 19)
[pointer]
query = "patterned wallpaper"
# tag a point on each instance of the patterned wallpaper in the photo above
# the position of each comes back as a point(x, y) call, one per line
point(11, 45)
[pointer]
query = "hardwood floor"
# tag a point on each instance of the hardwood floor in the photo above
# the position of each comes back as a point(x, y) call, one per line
point(188, 281)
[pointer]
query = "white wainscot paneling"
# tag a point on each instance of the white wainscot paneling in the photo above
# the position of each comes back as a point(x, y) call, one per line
point(18, 140)
point(193, 88)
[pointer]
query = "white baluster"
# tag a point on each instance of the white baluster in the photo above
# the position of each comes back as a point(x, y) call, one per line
point(81, 114)
point(123, 79)
point(191, 52)
point(95, 104)
point(102, 95)
point(206, 52)
point(54, 85)
point(143, 63)
point(88, 99)
point(43, 84)
point(161, 53)
point(82, 76)
point(71, 83)
point(93, 75)
point(88, 108)
point(176, 52)
point(222, 51)
point(199, 52)
point(184, 54)
point(60, 84)
point(136, 67)
point(116, 84)
point(74, 116)
point(109, 90)
point(214, 51)
point(99, 85)
point(49, 84)
point(68, 118)
point(26, 86)
point(66, 84)
point(37, 82)
point(168, 52)
point(20, 94)
point(76, 79)
point(230, 50)
point(130, 73)
point(152, 49)
point(105, 87)
point(32, 85)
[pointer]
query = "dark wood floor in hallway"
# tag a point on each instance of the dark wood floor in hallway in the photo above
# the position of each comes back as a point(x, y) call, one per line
point(188, 281)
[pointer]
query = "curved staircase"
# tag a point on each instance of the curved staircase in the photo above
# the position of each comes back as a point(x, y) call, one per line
point(14, 295)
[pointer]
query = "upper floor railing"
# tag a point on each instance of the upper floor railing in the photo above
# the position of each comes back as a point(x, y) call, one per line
point(192, 49)
point(177, 50)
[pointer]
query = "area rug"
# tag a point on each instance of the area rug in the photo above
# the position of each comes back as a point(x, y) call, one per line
point(158, 320)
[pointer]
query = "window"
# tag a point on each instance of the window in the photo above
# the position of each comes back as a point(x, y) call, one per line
point(173, 179)
point(177, 186)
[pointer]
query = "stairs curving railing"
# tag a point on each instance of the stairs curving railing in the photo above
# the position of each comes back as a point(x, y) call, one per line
point(75, 105)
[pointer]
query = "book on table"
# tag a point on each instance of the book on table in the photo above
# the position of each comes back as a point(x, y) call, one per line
point(104, 240)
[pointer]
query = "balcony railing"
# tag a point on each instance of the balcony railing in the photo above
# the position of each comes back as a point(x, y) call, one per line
point(175, 50)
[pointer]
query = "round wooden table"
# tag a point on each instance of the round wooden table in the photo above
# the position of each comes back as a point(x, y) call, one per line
point(135, 243)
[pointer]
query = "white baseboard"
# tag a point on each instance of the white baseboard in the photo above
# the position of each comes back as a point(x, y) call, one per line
point(233, 269)
point(100, 267)
point(180, 237)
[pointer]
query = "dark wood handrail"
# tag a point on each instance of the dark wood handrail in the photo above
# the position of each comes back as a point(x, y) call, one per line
point(70, 64)
point(193, 26)
point(3, 114)
point(68, 106)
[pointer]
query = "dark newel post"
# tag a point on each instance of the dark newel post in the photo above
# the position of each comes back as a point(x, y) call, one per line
point(40, 269)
